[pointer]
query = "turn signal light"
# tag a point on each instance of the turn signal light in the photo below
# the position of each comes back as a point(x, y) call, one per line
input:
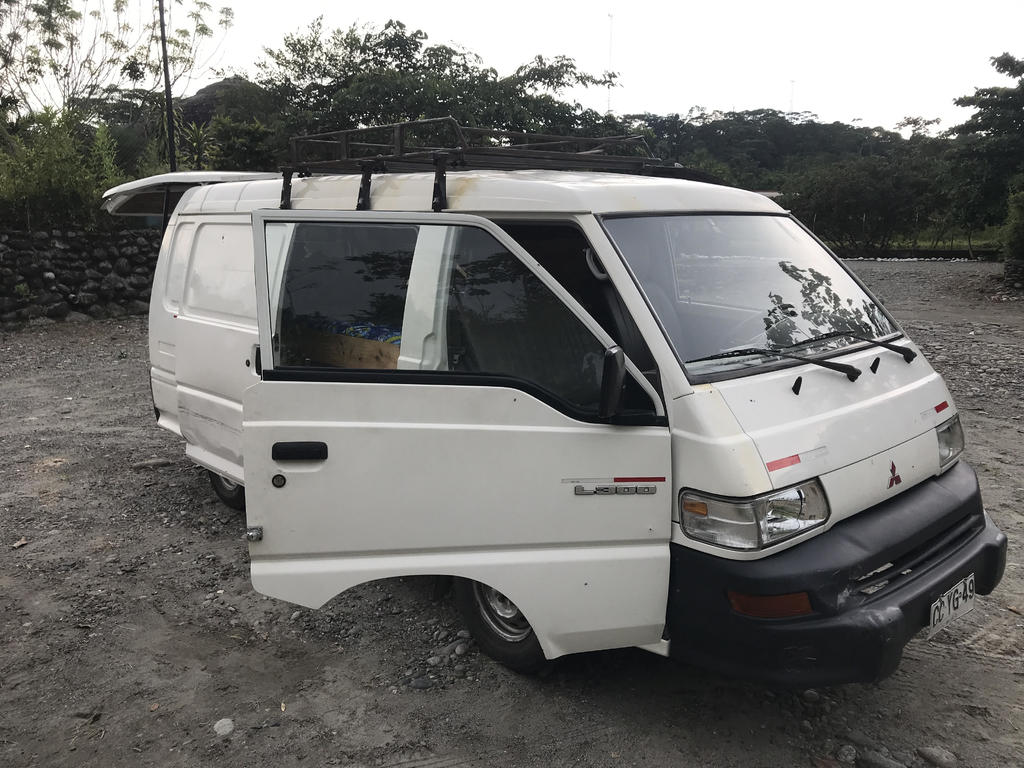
point(771, 606)
point(695, 507)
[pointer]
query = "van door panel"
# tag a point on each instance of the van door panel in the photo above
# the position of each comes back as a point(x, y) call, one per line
point(476, 482)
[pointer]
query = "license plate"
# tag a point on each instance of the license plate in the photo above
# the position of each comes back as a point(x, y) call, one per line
point(952, 605)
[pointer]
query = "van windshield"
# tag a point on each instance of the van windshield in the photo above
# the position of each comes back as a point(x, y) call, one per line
point(733, 282)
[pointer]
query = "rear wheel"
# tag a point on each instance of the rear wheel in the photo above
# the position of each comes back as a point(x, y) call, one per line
point(499, 627)
point(230, 492)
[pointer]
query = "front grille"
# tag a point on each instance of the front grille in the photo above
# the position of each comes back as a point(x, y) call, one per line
point(891, 575)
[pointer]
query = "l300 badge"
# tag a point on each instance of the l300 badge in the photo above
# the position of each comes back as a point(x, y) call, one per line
point(615, 490)
point(620, 485)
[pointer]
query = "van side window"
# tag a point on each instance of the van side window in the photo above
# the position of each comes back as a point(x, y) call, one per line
point(564, 251)
point(441, 300)
point(177, 265)
point(502, 320)
point(342, 295)
point(218, 282)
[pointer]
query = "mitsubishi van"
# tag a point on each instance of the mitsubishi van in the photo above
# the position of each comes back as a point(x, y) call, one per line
point(618, 406)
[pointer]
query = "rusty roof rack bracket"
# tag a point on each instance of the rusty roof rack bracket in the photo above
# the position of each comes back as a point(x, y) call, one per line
point(440, 197)
point(441, 144)
point(286, 188)
point(368, 167)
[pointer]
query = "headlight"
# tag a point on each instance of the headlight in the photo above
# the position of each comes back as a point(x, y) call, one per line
point(753, 523)
point(951, 442)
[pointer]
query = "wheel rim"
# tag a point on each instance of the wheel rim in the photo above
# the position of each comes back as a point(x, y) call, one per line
point(501, 614)
point(228, 485)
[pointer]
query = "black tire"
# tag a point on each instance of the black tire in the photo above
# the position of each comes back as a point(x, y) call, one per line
point(498, 627)
point(230, 492)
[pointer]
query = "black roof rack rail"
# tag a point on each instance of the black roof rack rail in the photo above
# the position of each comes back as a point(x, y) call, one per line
point(440, 144)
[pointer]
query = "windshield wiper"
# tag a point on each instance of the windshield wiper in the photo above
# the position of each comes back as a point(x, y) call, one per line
point(851, 372)
point(908, 354)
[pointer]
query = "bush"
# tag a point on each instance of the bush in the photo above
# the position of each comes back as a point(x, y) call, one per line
point(55, 170)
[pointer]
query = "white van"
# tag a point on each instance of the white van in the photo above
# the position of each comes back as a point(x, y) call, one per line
point(620, 409)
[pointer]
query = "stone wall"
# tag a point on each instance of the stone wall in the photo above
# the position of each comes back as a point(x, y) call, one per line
point(65, 275)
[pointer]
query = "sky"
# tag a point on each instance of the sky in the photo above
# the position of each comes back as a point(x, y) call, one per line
point(865, 62)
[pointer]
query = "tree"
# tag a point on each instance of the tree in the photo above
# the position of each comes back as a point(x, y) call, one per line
point(68, 54)
point(351, 78)
point(761, 148)
point(860, 203)
point(243, 145)
point(991, 150)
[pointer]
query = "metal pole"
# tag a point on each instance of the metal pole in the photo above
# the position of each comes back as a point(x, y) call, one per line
point(171, 159)
point(611, 23)
point(167, 92)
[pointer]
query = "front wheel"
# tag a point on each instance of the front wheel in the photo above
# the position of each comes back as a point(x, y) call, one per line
point(499, 627)
point(230, 492)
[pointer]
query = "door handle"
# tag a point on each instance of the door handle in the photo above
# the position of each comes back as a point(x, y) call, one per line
point(299, 451)
point(254, 362)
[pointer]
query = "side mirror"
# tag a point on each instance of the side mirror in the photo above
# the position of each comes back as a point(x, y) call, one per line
point(612, 376)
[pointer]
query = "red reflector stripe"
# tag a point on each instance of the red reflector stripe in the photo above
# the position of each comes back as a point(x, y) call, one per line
point(789, 461)
point(638, 479)
point(941, 407)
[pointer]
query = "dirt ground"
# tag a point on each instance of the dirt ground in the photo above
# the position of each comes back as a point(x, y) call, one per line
point(128, 627)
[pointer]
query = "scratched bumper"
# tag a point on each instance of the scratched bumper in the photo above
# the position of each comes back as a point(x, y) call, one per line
point(933, 535)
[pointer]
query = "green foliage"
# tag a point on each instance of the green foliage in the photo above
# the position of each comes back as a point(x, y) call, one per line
point(990, 147)
point(103, 156)
point(43, 179)
point(151, 161)
point(347, 78)
point(243, 145)
point(759, 148)
point(197, 149)
point(999, 110)
point(860, 203)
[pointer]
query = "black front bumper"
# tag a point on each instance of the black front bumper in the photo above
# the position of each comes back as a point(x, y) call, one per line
point(930, 537)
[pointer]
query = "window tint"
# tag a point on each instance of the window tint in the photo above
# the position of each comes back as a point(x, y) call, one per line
point(503, 320)
point(564, 251)
point(343, 294)
point(443, 299)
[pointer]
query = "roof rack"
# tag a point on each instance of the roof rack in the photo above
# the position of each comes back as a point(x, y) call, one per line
point(440, 144)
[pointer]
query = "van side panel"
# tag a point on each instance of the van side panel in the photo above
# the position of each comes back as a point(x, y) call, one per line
point(215, 329)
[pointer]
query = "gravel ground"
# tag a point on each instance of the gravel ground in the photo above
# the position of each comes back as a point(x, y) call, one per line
point(129, 633)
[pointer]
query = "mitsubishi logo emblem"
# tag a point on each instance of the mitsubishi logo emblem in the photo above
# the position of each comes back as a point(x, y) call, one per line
point(894, 479)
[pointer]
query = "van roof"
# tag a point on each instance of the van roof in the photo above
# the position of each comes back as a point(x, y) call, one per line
point(484, 191)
